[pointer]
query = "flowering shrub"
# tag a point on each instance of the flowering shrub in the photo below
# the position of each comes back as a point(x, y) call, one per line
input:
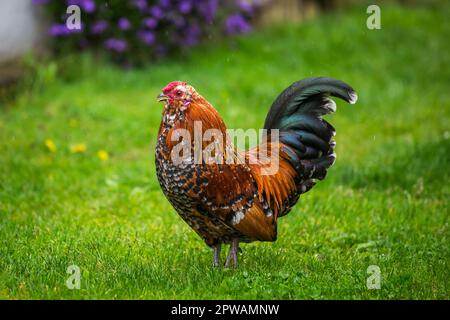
point(133, 31)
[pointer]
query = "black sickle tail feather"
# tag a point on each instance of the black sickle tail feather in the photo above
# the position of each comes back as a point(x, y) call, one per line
point(297, 113)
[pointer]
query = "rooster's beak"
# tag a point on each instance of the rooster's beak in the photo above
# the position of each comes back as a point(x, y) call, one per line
point(162, 97)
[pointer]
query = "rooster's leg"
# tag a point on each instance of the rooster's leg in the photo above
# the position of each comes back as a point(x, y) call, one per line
point(216, 255)
point(232, 254)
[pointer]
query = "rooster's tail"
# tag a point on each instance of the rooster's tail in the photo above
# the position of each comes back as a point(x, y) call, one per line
point(307, 138)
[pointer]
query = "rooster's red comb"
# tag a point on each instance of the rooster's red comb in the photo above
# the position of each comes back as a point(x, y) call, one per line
point(173, 85)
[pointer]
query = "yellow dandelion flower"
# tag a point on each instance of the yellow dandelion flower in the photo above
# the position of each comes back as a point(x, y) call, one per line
point(51, 146)
point(103, 155)
point(78, 148)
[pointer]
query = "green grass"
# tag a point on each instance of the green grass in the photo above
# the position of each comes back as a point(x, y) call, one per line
point(385, 202)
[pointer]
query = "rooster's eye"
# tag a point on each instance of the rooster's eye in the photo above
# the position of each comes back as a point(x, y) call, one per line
point(178, 93)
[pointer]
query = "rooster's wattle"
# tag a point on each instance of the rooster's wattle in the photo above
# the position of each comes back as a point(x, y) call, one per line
point(237, 201)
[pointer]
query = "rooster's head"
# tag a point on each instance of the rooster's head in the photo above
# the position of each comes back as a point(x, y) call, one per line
point(177, 94)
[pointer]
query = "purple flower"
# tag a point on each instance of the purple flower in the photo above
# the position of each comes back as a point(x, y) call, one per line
point(245, 6)
point(209, 10)
point(150, 22)
point(185, 7)
point(140, 4)
point(86, 5)
point(157, 12)
point(164, 3)
point(153, 27)
point(58, 30)
point(99, 26)
point(124, 24)
point(191, 35)
point(236, 24)
point(117, 45)
point(147, 37)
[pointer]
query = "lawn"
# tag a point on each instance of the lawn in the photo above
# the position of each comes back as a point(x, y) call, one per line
point(385, 202)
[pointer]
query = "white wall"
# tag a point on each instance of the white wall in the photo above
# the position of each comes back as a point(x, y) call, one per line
point(19, 28)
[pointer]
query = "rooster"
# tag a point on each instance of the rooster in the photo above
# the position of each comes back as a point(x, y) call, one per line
point(229, 203)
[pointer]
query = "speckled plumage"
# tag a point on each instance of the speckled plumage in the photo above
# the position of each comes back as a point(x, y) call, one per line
point(234, 202)
point(186, 187)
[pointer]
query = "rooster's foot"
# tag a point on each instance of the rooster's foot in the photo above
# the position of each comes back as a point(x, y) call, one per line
point(216, 255)
point(232, 254)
